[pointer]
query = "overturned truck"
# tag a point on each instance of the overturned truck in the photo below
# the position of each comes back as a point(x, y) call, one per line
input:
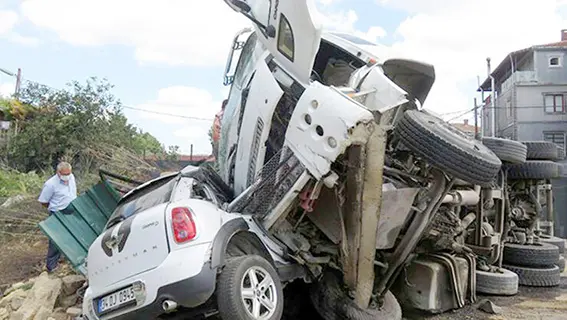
point(330, 151)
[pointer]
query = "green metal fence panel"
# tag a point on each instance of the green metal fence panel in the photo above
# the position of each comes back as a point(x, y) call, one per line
point(65, 241)
point(75, 228)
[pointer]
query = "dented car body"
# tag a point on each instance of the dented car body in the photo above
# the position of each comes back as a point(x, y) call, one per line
point(329, 172)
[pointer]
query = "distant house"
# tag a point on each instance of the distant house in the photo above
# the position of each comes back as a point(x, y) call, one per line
point(466, 127)
point(530, 101)
point(177, 164)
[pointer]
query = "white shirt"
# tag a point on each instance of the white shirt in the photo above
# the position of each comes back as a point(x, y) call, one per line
point(58, 194)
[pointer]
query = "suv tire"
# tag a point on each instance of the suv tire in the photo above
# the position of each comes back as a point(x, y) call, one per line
point(246, 284)
point(447, 148)
point(331, 302)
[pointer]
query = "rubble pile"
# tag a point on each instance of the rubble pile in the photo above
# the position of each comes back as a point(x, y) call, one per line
point(47, 297)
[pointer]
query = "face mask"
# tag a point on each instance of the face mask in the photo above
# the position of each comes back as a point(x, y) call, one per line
point(65, 178)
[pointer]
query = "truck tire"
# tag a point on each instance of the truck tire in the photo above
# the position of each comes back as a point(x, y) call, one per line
point(534, 169)
point(556, 241)
point(503, 283)
point(331, 302)
point(447, 148)
point(541, 150)
point(248, 283)
point(507, 150)
point(561, 263)
point(540, 277)
point(540, 255)
point(560, 153)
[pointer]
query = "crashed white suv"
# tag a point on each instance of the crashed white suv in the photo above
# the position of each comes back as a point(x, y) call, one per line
point(163, 246)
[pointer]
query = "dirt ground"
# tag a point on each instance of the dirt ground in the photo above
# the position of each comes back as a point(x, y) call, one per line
point(22, 246)
point(21, 259)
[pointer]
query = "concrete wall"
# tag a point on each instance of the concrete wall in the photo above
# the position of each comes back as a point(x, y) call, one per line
point(530, 103)
point(546, 74)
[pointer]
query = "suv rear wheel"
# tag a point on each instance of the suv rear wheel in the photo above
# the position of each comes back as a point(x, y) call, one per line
point(249, 288)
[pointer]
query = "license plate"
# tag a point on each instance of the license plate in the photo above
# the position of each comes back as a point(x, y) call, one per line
point(116, 300)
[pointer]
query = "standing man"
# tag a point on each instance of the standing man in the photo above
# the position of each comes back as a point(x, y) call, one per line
point(57, 194)
point(217, 129)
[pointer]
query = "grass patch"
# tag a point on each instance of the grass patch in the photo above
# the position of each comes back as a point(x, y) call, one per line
point(14, 183)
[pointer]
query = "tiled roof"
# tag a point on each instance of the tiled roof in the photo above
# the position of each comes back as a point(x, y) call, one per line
point(464, 127)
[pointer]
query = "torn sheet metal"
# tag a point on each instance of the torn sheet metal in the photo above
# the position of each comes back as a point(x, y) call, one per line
point(384, 95)
point(325, 122)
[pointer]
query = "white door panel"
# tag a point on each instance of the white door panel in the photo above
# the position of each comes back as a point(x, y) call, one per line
point(262, 100)
point(290, 29)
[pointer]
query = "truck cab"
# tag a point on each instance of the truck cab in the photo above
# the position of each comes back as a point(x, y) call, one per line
point(265, 87)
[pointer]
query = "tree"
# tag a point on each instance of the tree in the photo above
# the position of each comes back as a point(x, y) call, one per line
point(145, 143)
point(83, 123)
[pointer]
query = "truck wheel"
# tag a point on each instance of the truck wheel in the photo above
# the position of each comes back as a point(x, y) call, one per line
point(560, 153)
point(539, 255)
point(331, 302)
point(561, 264)
point(541, 150)
point(507, 150)
point(540, 277)
point(534, 169)
point(502, 282)
point(556, 241)
point(249, 288)
point(447, 148)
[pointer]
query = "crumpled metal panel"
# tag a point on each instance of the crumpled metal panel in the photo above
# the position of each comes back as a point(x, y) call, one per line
point(396, 206)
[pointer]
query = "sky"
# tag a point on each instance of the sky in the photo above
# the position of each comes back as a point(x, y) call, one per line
point(168, 56)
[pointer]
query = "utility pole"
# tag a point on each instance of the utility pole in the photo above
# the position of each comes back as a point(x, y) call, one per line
point(18, 83)
point(476, 135)
point(492, 101)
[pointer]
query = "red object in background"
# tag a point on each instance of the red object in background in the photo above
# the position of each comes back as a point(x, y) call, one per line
point(217, 122)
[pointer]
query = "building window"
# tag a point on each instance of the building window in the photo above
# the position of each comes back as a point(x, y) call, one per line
point(557, 137)
point(554, 103)
point(554, 62)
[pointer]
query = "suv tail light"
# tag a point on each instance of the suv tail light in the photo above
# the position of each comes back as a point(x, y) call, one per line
point(183, 225)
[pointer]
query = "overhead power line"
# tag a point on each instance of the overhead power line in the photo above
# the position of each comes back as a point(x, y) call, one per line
point(7, 72)
point(168, 114)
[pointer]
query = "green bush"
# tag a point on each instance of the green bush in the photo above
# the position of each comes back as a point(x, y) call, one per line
point(16, 183)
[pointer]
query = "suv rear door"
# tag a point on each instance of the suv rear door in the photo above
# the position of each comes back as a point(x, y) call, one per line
point(288, 28)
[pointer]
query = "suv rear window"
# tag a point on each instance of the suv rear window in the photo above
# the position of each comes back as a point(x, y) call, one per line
point(150, 196)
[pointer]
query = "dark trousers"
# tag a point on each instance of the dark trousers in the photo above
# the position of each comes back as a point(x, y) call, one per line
point(53, 255)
